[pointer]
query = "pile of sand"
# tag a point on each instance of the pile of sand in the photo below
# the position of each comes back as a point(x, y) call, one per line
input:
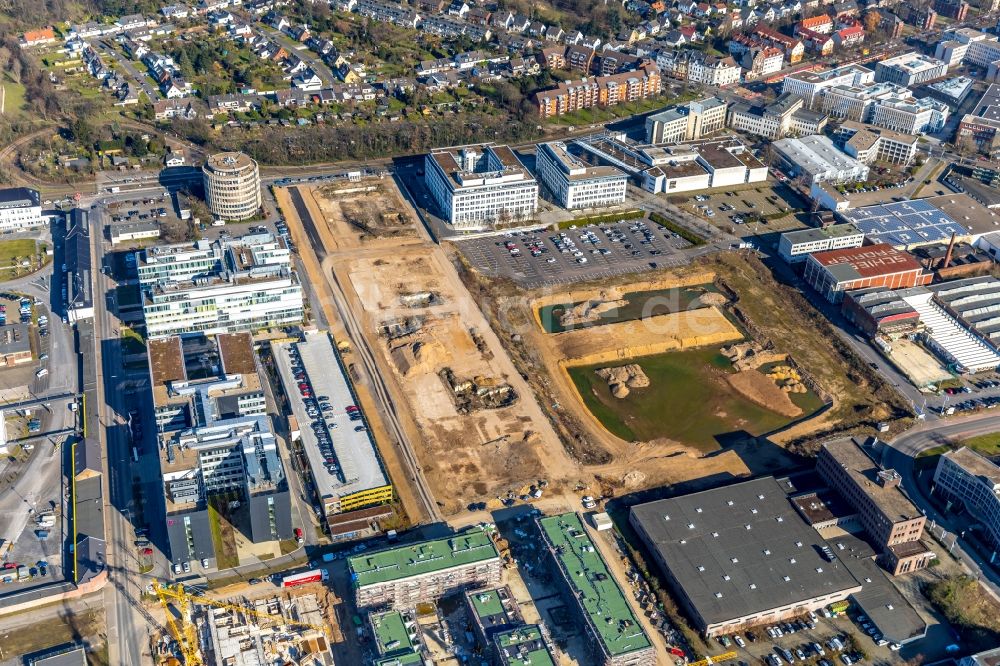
point(418, 357)
point(623, 378)
point(712, 298)
point(589, 311)
point(787, 378)
point(761, 390)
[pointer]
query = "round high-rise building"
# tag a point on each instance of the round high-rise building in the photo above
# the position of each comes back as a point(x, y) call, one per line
point(232, 186)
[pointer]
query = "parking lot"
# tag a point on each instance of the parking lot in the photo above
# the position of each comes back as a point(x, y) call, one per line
point(726, 209)
point(542, 257)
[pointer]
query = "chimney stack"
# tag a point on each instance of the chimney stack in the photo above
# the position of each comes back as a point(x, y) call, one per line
point(951, 248)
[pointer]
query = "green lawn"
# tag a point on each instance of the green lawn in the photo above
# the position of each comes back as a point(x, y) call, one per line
point(687, 401)
point(14, 98)
point(13, 252)
point(988, 445)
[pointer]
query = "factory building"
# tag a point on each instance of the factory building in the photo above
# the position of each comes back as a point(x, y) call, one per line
point(833, 272)
point(878, 311)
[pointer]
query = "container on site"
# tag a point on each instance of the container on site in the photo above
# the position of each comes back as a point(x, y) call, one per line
point(47, 520)
point(23, 573)
point(298, 535)
point(312, 576)
point(328, 557)
point(391, 535)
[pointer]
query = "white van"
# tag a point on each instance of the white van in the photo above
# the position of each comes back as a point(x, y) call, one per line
point(41, 373)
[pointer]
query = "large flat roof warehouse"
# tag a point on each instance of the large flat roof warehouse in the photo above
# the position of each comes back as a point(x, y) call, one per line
point(867, 261)
point(594, 588)
point(740, 550)
point(817, 155)
point(975, 302)
point(475, 545)
point(904, 223)
point(968, 212)
point(814, 234)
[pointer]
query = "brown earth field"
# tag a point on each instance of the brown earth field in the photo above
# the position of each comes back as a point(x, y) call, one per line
point(774, 314)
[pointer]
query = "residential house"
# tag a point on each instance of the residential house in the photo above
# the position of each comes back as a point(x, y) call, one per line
point(849, 37)
point(37, 38)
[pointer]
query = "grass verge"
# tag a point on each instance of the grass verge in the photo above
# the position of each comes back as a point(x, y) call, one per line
point(969, 609)
point(683, 232)
point(605, 218)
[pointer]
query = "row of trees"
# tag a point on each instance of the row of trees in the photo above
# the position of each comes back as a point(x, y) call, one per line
point(276, 145)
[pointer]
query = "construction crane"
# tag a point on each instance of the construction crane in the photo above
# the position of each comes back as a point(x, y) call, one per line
point(186, 634)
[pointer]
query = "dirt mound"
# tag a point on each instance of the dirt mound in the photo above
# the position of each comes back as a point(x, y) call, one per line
point(623, 378)
point(762, 390)
point(418, 357)
point(712, 298)
point(589, 311)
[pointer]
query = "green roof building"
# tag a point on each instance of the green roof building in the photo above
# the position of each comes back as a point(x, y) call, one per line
point(614, 632)
point(492, 610)
point(404, 576)
point(523, 646)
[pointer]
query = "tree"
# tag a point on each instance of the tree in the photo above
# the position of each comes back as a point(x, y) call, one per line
point(871, 21)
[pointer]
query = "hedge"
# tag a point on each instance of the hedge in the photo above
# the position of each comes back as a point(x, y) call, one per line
point(684, 233)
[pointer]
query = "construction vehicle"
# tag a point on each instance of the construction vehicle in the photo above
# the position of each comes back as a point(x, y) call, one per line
point(718, 659)
point(184, 631)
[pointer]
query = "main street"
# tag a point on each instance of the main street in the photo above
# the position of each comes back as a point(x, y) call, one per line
point(128, 631)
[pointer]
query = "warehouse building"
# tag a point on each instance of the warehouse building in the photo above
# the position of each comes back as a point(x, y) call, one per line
point(404, 576)
point(970, 481)
point(575, 184)
point(833, 272)
point(133, 231)
point(79, 271)
point(479, 186)
point(910, 69)
point(889, 517)
point(905, 224)
point(878, 311)
point(740, 556)
point(975, 303)
point(795, 246)
point(818, 160)
point(613, 632)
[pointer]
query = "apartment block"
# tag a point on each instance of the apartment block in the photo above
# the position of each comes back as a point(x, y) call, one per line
point(615, 635)
point(910, 116)
point(970, 481)
point(215, 444)
point(698, 67)
point(888, 516)
point(404, 576)
point(609, 90)
point(480, 186)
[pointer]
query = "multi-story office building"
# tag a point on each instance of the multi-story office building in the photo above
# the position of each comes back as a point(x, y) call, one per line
point(968, 46)
point(783, 116)
point(176, 263)
point(615, 635)
point(910, 69)
point(888, 516)
point(982, 124)
point(215, 445)
point(796, 246)
point(910, 116)
point(20, 208)
point(869, 144)
point(241, 285)
point(688, 122)
point(232, 186)
point(480, 186)
point(574, 183)
point(404, 576)
point(970, 481)
point(811, 85)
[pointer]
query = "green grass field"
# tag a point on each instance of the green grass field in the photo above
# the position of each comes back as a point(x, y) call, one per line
point(223, 537)
point(988, 445)
point(13, 98)
point(688, 400)
point(13, 252)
